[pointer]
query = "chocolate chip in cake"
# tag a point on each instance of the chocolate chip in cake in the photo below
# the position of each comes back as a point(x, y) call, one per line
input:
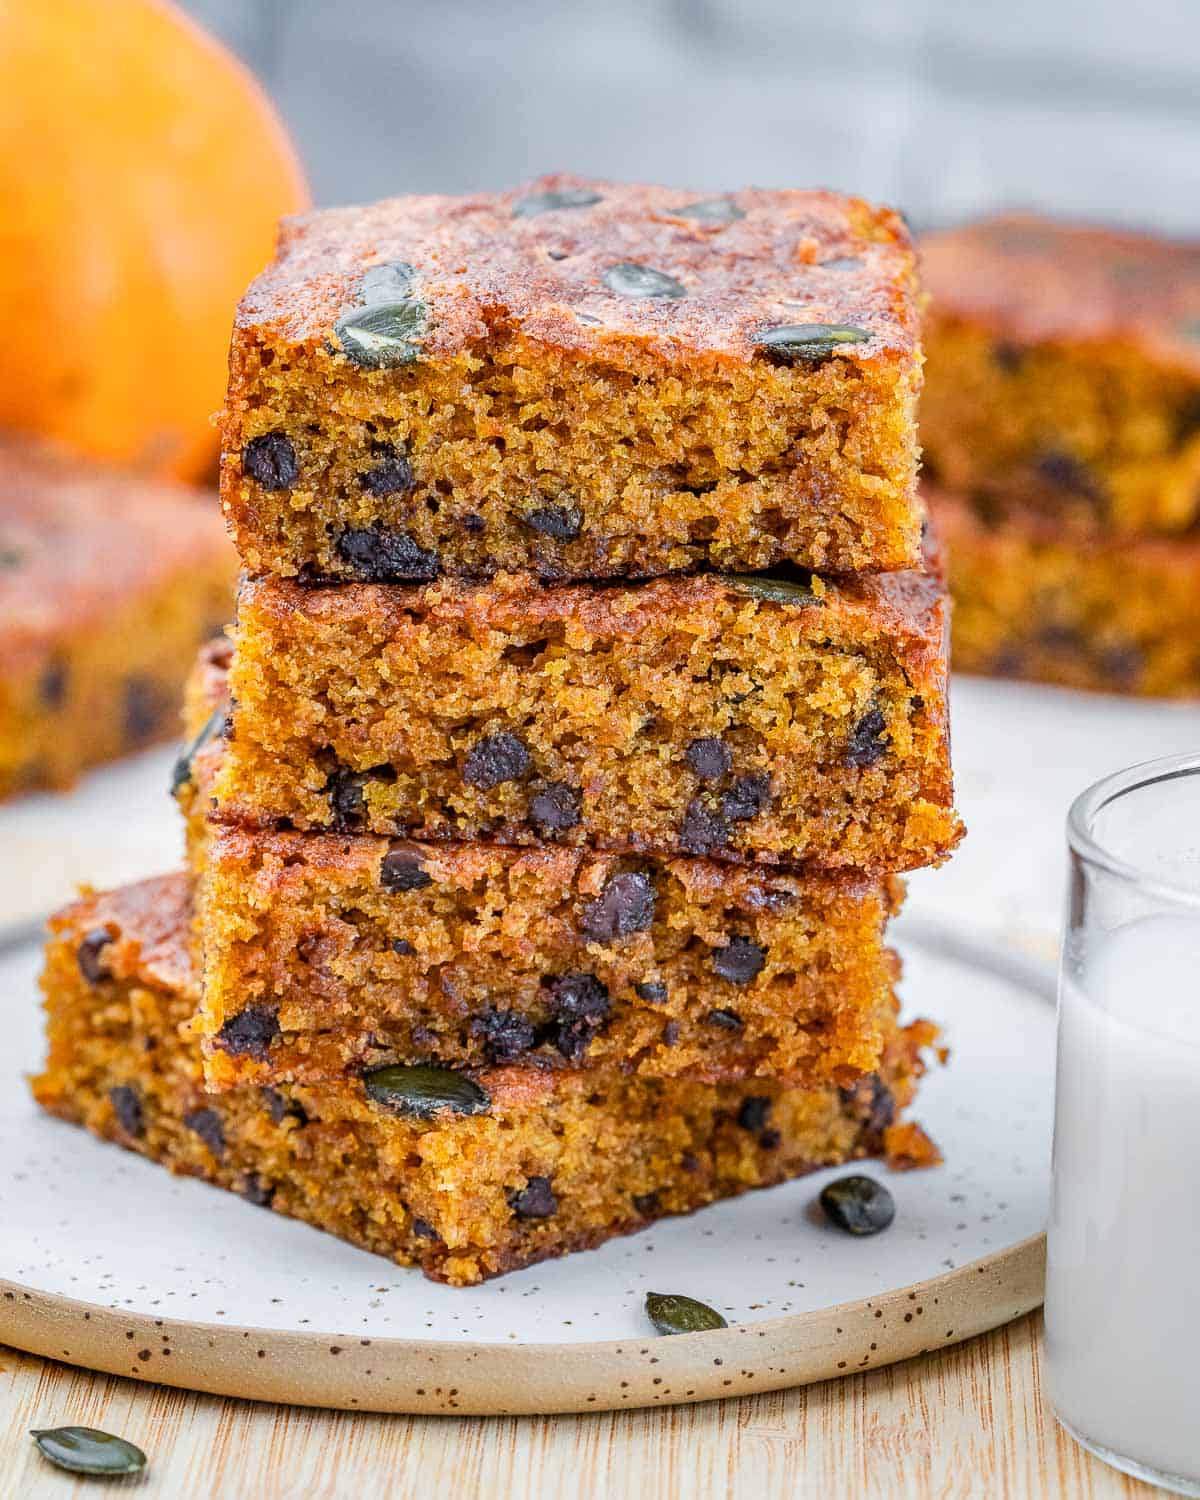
point(347, 804)
point(270, 460)
point(746, 798)
point(392, 475)
point(403, 947)
point(868, 740)
point(727, 1020)
point(646, 1204)
point(505, 1035)
point(535, 1200)
point(556, 808)
point(1007, 357)
point(52, 684)
point(206, 1123)
point(1070, 474)
point(495, 759)
point(703, 829)
point(127, 1106)
point(281, 1109)
point(808, 343)
point(424, 1230)
point(754, 1112)
point(652, 991)
point(257, 1190)
point(473, 522)
point(562, 523)
point(579, 1004)
point(739, 961)
point(88, 955)
point(146, 709)
point(624, 906)
point(859, 1205)
point(250, 1032)
point(689, 1162)
point(552, 201)
point(711, 211)
point(770, 1140)
point(670, 1033)
point(381, 554)
point(401, 870)
point(709, 758)
point(630, 280)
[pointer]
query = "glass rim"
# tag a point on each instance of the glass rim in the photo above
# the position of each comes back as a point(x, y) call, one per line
point(1091, 802)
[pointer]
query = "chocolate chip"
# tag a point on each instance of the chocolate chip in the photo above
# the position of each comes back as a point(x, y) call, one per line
point(689, 1162)
point(381, 554)
point(754, 1113)
point(556, 808)
point(535, 1200)
point(1123, 663)
point(206, 1123)
point(652, 991)
point(52, 684)
point(1068, 473)
point(561, 522)
point(505, 1034)
point(250, 1032)
point(746, 798)
point(146, 707)
point(703, 830)
point(1007, 357)
point(347, 804)
point(670, 1033)
point(424, 1230)
point(709, 758)
point(270, 460)
point(281, 1109)
point(727, 1020)
point(868, 740)
point(871, 1095)
point(392, 475)
point(579, 1004)
point(646, 1204)
point(624, 906)
point(739, 961)
point(473, 522)
point(257, 1190)
point(87, 955)
point(401, 870)
point(127, 1106)
point(495, 759)
point(403, 947)
point(770, 1139)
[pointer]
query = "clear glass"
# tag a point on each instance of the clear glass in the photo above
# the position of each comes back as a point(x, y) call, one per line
point(1123, 1248)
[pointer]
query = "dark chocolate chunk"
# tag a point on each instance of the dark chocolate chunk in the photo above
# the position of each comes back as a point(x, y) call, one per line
point(424, 1091)
point(474, 522)
point(579, 1004)
point(270, 460)
point(646, 1204)
point(754, 1112)
point(727, 1020)
point(401, 870)
point(550, 202)
point(670, 1033)
point(868, 740)
point(535, 1200)
point(739, 961)
point(257, 1190)
point(424, 1230)
point(206, 1123)
point(624, 906)
point(505, 1035)
point(392, 475)
point(146, 709)
point(630, 280)
point(346, 802)
point(770, 1140)
point(561, 522)
point(746, 798)
point(1007, 357)
point(651, 990)
point(711, 211)
point(250, 1032)
point(52, 684)
point(556, 808)
point(689, 1162)
point(1070, 474)
point(403, 947)
point(859, 1205)
point(1122, 664)
point(495, 759)
point(808, 343)
point(381, 554)
point(703, 829)
point(281, 1109)
point(710, 758)
point(88, 955)
point(127, 1106)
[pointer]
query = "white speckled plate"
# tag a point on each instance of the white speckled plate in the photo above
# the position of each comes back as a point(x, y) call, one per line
point(108, 1261)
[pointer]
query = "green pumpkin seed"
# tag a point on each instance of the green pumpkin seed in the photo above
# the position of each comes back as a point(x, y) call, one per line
point(182, 772)
point(9, 558)
point(382, 335)
point(671, 1313)
point(808, 343)
point(545, 203)
point(774, 590)
point(423, 1091)
point(389, 282)
point(629, 280)
point(843, 263)
point(712, 211)
point(85, 1450)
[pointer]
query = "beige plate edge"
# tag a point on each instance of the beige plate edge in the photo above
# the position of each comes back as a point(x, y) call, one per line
point(419, 1376)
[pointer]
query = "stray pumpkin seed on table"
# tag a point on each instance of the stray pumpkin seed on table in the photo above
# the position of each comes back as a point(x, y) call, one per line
point(87, 1450)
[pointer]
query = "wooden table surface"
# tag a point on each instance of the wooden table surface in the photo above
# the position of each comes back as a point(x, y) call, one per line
point(970, 1420)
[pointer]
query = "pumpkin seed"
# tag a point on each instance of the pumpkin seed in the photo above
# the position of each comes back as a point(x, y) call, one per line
point(86, 1450)
point(382, 335)
point(843, 263)
point(672, 1313)
point(423, 1091)
point(545, 203)
point(389, 282)
point(212, 727)
point(774, 590)
point(808, 343)
point(712, 211)
point(630, 280)
point(859, 1205)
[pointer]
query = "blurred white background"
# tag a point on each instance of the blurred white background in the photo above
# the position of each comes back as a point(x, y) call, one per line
point(944, 107)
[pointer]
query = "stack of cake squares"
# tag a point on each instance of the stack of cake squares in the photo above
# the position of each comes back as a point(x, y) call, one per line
point(585, 705)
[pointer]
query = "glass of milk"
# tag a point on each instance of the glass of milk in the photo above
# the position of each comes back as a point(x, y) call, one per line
point(1123, 1262)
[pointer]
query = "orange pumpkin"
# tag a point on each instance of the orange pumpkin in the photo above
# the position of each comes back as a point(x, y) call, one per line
point(142, 174)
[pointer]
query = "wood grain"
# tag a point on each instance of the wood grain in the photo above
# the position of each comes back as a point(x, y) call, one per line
point(967, 1421)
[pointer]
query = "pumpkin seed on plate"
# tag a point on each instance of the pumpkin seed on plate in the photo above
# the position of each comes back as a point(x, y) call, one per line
point(86, 1450)
point(711, 211)
point(672, 1313)
point(630, 280)
point(808, 343)
point(545, 203)
point(774, 590)
point(423, 1091)
point(859, 1205)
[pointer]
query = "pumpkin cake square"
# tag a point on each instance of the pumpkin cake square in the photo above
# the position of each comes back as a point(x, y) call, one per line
point(1064, 372)
point(108, 583)
point(464, 1173)
point(737, 718)
point(580, 379)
